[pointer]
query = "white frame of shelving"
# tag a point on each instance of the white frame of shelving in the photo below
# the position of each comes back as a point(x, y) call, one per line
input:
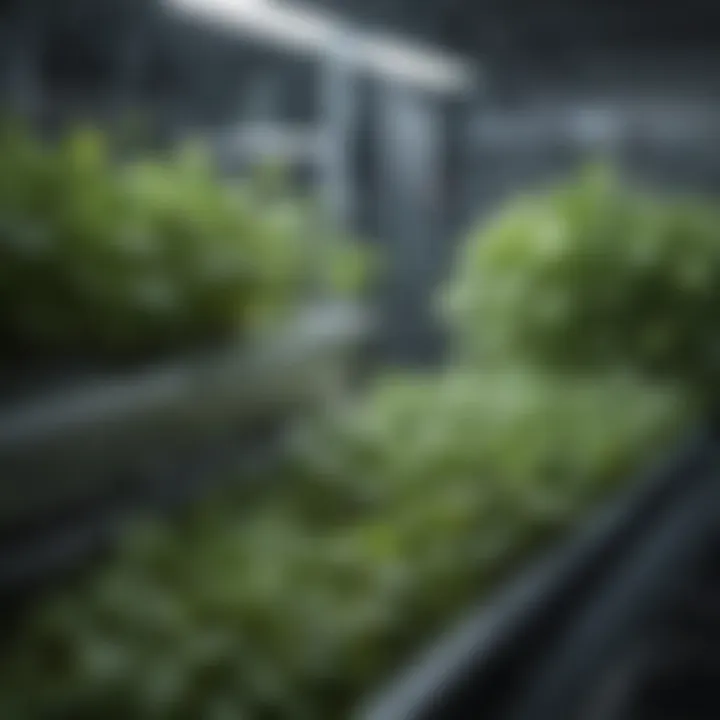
point(301, 30)
point(344, 52)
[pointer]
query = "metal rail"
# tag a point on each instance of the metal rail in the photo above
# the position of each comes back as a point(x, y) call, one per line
point(477, 669)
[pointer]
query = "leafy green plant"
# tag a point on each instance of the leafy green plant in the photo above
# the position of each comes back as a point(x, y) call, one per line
point(154, 254)
point(394, 512)
point(391, 517)
point(591, 274)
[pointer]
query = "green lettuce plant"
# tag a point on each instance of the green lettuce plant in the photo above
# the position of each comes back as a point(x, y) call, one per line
point(390, 517)
point(155, 254)
point(590, 274)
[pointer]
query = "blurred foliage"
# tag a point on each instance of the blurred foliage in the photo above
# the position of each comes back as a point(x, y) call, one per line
point(393, 512)
point(592, 274)
point(391, 516)
point(154, 254)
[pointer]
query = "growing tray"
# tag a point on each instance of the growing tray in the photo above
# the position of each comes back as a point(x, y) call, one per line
point(491, 664)
point(579, 668)
point(76, 461)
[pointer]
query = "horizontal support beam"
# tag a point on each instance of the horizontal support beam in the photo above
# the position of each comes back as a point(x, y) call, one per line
point(573, 120)
point(94, 437)
point(302, 30)
point(271, 141)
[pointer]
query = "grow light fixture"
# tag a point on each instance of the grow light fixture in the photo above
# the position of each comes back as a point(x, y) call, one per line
point(315, 32)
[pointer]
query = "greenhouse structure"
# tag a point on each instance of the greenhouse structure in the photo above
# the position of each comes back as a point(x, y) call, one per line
point(359, 360)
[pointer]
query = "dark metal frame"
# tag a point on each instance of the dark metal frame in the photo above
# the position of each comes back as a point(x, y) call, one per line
point(74, 464)
point(509, 648)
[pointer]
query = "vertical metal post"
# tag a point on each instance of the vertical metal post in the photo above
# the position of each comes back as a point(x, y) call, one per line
point(335, 136)
point(338, 116)
point(131, 59)
point(410, 137)
point(23, 48)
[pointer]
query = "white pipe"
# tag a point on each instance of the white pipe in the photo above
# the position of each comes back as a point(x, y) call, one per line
point(314, 32)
